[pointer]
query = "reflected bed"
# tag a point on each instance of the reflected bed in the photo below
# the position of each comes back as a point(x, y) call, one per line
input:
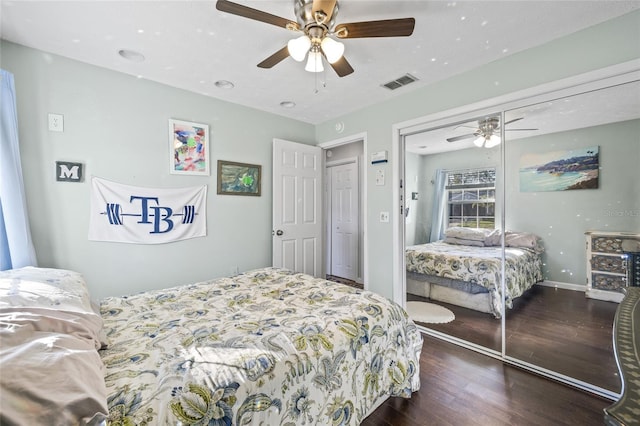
point(469, 276)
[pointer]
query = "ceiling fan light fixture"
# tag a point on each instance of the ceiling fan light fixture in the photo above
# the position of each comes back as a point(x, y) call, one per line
point(479, 141)
point(493, 140)
point(314, 62)
point(332, 49)
point(487, 141)
point(298, 47)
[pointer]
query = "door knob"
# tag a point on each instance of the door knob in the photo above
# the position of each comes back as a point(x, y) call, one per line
point(279, 232)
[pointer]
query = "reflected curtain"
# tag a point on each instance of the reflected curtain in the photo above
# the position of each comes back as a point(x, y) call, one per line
point(438, 210)
point(15, 236)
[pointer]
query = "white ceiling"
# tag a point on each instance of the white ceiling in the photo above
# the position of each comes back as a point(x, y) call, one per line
point(594, 108)
point(191, 45)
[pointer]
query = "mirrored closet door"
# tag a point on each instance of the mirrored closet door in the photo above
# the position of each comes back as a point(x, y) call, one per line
point(452, 179)
point(573, 179)
point(551, 184)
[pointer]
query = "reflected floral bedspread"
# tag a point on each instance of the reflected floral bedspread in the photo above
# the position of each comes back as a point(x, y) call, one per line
point(479, 265)
point(267, 347)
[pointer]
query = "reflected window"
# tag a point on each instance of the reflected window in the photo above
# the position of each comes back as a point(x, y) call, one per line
point(471, 198)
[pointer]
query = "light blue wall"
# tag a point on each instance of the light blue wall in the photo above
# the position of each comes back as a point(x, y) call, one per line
point(612, 42)
point(117, 126)
point(562, 217)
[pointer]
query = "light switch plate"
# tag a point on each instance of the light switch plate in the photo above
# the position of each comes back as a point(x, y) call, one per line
point(379, 177)
point(384, 216)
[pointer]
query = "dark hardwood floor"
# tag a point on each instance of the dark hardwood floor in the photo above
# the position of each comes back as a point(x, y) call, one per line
point(461, 387)
point(560, 330)
point(344, 281)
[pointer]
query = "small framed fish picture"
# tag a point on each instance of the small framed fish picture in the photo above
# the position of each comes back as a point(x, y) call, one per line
point(239, 178)
point(188, 148)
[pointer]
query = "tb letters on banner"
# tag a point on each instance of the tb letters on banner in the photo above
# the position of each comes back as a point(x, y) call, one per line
point(125, 213)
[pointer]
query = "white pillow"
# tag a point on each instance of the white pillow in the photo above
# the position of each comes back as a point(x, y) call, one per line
point(493, 238)
point(51, 369)
point(44, 288)
point(477, 234)
point(522, 239)
point(54, 289)
point(515, 239)
point(462, 242)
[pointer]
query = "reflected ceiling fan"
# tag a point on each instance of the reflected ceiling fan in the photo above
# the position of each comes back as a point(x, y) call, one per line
point(488, 132)
point(316, 20)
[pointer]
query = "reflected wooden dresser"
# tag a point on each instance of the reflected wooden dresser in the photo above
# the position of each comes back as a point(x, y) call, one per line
point(607, 264)
point(626, 342)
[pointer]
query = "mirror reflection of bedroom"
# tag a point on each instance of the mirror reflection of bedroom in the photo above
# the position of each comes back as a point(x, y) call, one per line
point(522, 200)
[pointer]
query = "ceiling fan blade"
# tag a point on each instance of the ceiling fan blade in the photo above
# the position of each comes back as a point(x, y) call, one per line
point(386, 28)
point(459, 138)
point(325, 6)
point(255, 14)
point(342, 67)
point(275, 59)
point(512, 121)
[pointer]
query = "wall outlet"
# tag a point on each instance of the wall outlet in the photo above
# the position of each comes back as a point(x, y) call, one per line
point(384, 216)
point(56, 122)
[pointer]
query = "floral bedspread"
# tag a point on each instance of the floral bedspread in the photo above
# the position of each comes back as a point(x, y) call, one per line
point(267, 347)
point(479, 265)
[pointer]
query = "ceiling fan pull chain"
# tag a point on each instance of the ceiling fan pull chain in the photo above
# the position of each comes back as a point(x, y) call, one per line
point(324, 78)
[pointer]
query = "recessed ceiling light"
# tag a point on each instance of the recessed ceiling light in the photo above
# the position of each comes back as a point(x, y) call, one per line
point(224, 84)
point(131, 55)
point(287, 104)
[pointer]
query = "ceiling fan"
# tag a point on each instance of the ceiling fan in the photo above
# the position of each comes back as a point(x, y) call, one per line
point(316, 20)
point(488, 132)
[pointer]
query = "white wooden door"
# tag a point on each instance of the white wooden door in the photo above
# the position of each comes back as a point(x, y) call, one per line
point(344, 221)
point(297, 207)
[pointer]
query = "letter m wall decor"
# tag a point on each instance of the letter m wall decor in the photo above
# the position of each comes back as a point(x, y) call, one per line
point(68, 172)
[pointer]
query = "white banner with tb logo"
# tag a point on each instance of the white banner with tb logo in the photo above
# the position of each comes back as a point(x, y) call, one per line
point(133, 214)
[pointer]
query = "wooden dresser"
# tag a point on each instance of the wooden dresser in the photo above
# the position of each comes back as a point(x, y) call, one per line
point(607, 268)
point(626, 343)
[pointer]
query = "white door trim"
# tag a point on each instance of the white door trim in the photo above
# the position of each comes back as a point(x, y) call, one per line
point(363, 185)
point(341, 162)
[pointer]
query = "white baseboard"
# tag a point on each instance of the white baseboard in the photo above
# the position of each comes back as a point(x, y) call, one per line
point(566, 286)
point(609, 296)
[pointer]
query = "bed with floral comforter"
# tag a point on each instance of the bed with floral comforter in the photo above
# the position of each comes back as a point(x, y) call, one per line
point(479, 266)
point(267, 347)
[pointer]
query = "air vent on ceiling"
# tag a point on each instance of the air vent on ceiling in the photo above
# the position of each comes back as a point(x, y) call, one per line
point(399, 82)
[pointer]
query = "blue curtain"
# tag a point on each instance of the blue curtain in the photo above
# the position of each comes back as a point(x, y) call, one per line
point(15, 237)
point(438, 210)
